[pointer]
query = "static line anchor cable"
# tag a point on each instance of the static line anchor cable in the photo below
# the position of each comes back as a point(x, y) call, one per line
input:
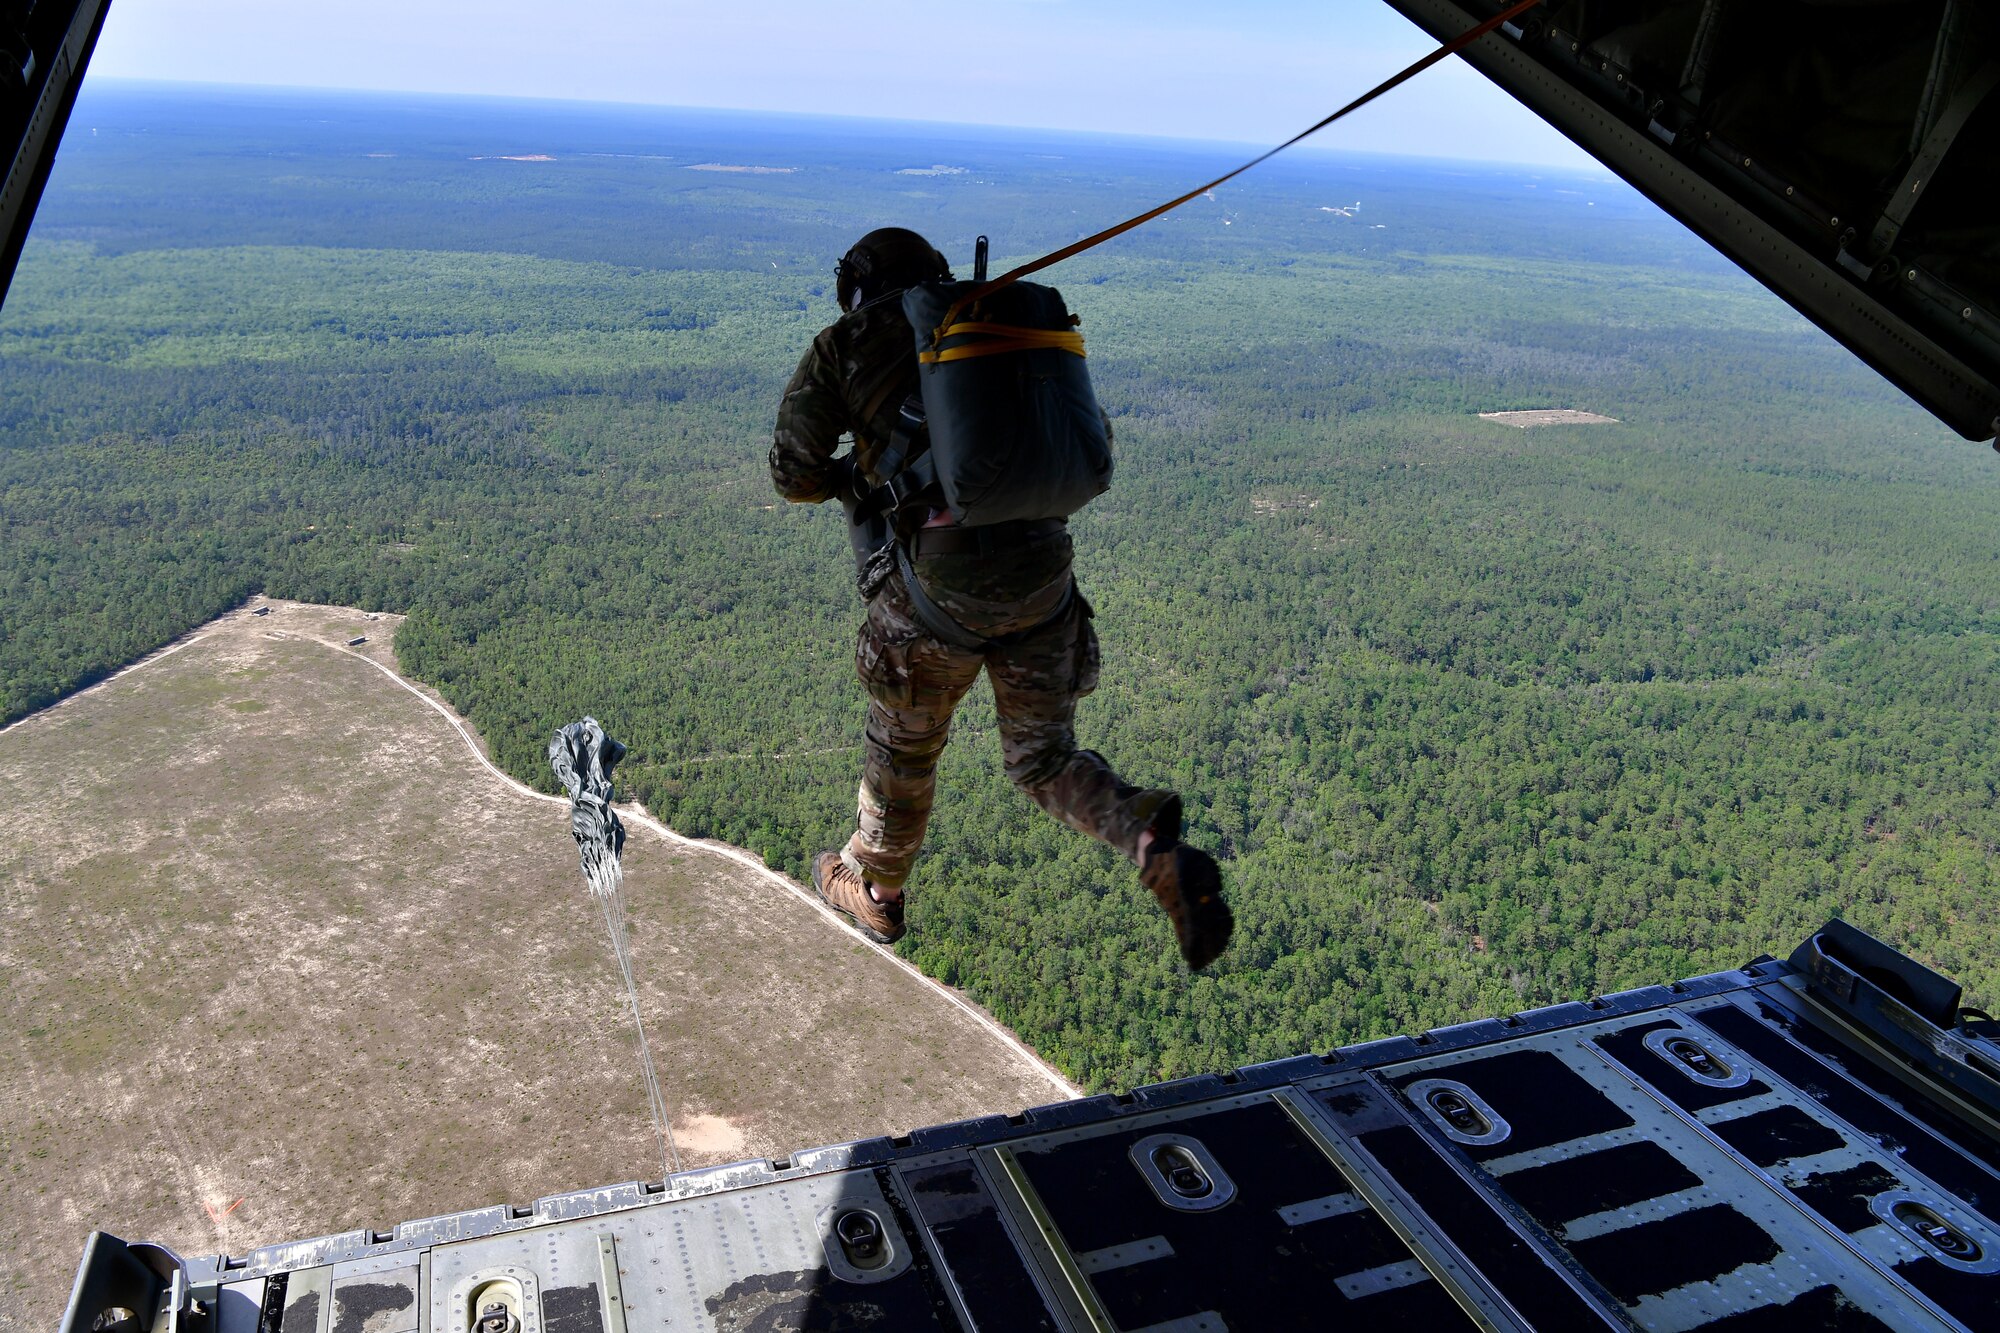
point(1450, 48)
point(583, 757)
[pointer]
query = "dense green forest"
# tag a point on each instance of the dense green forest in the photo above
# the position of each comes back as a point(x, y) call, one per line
point(1477, 718)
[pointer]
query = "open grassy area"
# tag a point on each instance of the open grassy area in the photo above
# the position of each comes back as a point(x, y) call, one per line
point(281, 959)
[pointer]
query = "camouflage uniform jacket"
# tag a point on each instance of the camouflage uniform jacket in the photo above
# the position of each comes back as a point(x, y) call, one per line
point(854, 378)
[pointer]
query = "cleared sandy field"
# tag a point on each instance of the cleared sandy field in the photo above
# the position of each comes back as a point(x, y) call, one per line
point(279, 957)
point(1548, 416)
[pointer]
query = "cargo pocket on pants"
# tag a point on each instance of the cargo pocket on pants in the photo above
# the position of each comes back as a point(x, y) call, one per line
point(1089, 659)
point(885, 668)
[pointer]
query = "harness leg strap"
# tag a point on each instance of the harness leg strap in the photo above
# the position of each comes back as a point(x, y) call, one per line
point(946, 629)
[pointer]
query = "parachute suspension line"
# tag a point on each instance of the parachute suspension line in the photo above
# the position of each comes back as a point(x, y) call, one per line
point(607, 883)
point(1011, 276)
point(583, 756)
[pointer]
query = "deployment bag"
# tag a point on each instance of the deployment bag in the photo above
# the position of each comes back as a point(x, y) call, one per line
point(1015, 431)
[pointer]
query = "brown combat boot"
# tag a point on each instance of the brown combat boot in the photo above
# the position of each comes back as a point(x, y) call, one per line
point(847, 893)
point(1187, 885)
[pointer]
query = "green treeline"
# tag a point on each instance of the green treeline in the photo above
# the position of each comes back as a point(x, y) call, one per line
point(1477, 718)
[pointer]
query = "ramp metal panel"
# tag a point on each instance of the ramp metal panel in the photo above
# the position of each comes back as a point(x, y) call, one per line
point(1732, 1152)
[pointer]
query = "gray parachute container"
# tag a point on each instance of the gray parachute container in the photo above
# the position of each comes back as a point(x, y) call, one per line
point(1015, 428)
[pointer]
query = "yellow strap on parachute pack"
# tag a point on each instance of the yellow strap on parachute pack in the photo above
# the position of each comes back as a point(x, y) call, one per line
point(950, 325)
point(999, 338)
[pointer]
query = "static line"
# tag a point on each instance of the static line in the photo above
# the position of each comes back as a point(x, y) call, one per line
point(636, 813)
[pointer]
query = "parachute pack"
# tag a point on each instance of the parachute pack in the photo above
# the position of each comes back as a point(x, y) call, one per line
point(1015, 430)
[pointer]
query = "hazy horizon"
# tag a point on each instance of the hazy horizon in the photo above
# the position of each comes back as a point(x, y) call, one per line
point(1310, 149)
point(1172, 69)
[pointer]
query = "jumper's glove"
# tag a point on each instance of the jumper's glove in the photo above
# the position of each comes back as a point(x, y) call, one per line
point(876, 567)
point(846, 479)
point(840, 477)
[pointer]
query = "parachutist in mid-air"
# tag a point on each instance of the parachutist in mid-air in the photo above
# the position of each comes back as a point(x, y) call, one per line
point(947, 598)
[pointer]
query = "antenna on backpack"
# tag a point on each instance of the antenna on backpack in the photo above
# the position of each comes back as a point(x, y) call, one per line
point(979, 260)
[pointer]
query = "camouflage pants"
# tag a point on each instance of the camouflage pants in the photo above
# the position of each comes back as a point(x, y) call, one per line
point(915, 682)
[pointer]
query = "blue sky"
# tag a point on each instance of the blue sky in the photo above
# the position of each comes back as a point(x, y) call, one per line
point(1256, 71)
